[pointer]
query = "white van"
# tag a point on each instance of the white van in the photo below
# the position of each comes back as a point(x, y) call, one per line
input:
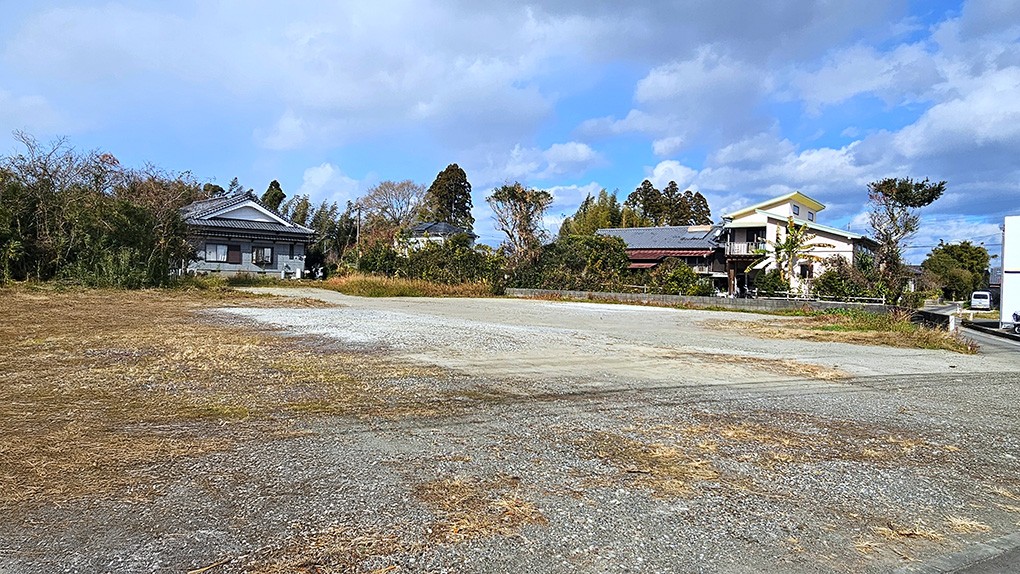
point(981, 300)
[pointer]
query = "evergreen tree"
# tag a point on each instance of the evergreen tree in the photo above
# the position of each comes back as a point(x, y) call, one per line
point(646, 203)
point(700, 212)
point(593, 214)
point(274, 195)
point(448, 199)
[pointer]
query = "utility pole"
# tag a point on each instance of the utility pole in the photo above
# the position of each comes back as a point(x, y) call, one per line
point(359, 237)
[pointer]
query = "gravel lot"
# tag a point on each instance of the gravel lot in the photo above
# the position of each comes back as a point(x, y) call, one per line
point(593, 438)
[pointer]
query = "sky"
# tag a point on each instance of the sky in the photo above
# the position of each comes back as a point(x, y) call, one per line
point(739, 100)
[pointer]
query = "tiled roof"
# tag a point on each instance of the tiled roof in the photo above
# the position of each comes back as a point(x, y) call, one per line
point(437, 229)
point(194, 213)
point(699, 237)
point(247, 225)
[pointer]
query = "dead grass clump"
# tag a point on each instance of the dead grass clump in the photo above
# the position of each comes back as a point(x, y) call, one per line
point(339, 550)
point(99, 386)
point(378, 286)
point(663, 469)
point(470, 508)
point(786, 367)
point(957, 524)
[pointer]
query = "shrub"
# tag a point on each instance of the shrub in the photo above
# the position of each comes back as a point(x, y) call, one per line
point(770, 283)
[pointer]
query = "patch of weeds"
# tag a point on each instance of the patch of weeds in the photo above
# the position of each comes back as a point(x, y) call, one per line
point(340, 550)
point(665, 470)
point(471, 508)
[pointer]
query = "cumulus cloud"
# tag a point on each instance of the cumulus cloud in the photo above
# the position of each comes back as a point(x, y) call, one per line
point(526, 164)
point(327, 182)
point(908, 72)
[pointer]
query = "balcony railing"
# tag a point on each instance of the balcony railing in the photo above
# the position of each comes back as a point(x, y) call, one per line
point(743, 248)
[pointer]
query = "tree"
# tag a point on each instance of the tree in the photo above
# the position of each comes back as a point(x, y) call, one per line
point(895, 218)
point(392, 205)
point(787, 251)
point(518, 211)
point(600, 212)
point(448, 199)
point(274, 195)
point(960, 267)
point(646, 202)
point(675, 206)
point(700, 212)
point(234, 187)
point(675, 277)
point(297, 209)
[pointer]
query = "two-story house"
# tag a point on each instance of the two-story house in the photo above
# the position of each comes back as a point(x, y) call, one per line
point(751, 228)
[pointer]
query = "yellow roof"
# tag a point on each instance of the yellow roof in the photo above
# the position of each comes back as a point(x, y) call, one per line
point(796, 196)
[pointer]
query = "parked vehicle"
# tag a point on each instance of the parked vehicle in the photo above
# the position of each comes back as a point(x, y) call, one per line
point(981, 301)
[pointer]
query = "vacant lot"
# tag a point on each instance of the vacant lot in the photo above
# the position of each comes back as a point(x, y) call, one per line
point(168, 432)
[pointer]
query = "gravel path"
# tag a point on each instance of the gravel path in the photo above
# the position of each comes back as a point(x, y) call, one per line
point(602, 438)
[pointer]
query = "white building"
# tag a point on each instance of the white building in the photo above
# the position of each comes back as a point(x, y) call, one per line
point(753, 227)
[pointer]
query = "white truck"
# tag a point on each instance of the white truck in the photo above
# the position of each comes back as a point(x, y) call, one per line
point(1009, 302)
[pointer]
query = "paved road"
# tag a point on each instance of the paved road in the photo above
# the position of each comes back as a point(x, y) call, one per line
point(1001, 564)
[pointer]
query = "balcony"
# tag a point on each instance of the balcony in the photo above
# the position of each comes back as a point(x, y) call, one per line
point(743, 249)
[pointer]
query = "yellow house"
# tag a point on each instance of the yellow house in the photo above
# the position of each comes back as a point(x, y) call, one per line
point(752, 227)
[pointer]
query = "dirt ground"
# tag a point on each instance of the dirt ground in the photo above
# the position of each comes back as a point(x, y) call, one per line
point(193, 432)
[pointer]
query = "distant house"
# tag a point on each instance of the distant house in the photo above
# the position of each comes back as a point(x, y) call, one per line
point(754, 226)
point(724, 252)
point(435, 232)
point(699, 246)
point(240, 234)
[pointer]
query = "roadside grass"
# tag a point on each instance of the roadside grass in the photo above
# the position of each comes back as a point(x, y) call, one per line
point(101, 387)
point(378, 286)
point(857, 328)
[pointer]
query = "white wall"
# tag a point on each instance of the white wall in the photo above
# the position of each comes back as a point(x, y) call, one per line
point(1010, 299)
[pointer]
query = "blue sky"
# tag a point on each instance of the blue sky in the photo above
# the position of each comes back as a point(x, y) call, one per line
point(739, 100)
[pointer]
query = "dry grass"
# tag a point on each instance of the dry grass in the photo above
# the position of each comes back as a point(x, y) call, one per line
point(855, 329)
point(470, 508)
point(671, 459)
point(377, 286)
point(100, 387)
point(785, 367)
point(957, 524)
point(339, 550)
point(665, 470)
point(892, 532)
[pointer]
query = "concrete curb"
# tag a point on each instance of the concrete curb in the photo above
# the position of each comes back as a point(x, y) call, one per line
point(973, 554)
point(990, 331)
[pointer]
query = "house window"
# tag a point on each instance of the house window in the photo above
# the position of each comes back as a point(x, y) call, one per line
point(806, 271)
point(810, 216)
point(262, 255)
point(796, 210)
point(292, 251)
point(215, 252)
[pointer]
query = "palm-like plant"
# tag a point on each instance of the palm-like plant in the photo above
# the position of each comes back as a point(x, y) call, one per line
point(787, 251)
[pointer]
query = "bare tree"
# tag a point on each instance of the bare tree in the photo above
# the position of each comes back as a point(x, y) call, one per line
point(392, 205)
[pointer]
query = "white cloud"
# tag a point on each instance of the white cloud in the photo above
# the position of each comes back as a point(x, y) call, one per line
point(908, 72)
point(526, 164)
point(665, 147)
point(328, 182)
point(672, 170)
point(32, 114)
point(289, 132)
